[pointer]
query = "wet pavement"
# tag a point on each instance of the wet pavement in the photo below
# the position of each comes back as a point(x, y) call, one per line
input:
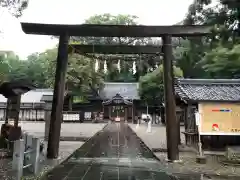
point(115, 153)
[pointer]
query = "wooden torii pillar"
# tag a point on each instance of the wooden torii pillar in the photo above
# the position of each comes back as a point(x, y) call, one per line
point(58, 98)
point(173, 134)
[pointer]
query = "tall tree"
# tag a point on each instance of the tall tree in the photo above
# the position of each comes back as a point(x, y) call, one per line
point(151, 87)
point(223, 19)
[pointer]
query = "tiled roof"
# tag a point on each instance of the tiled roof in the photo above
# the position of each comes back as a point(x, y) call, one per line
point(208, 89)
point(126, 90)
point(33, 96)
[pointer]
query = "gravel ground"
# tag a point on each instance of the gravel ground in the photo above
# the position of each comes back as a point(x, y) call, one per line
point(67, 129)
point(157, 139)
point(189, 165)
point(66, 148)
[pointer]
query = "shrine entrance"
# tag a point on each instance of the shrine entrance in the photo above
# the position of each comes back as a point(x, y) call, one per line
point(117, 108)
point(117, 111)
point(96, 30)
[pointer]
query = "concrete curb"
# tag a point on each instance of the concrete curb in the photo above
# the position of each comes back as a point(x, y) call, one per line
point(70, 138)
point(155, 150)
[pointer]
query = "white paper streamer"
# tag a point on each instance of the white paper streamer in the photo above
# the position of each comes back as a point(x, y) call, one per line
point(105, 66)
point(134, 67)
point(96, 65)
point(119, 65)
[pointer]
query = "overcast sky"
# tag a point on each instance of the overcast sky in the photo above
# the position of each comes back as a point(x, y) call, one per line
point(150, 12)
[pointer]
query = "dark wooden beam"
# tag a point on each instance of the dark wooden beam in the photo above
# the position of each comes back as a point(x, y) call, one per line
point(58, 98)
point(115, 49)
point(169, 99)
point(97, 30)
point(231, 3)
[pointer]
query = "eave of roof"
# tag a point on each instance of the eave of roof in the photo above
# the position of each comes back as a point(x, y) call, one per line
point(208, 90)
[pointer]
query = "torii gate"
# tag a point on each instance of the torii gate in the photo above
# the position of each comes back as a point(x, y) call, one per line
point(96, 30)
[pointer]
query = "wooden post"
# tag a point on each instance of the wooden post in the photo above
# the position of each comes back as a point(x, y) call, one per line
point(58, 98)
point(170, 105)
point(133, 114)
point(70, 102)
point(16, 108)
point(7, 110)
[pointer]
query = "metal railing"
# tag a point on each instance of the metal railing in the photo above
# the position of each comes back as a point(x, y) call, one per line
point(26, 154)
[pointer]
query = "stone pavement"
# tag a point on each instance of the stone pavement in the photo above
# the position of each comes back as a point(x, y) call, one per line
point(157, 138)
point(115, 153)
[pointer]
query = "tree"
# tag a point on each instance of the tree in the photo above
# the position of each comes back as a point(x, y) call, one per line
point(15, 7)
point(121, 19)
point(192, 50)
point(151, 87)
point(223, 62)
point(81, 76)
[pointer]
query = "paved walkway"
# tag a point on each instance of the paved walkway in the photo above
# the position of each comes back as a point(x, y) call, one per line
point(115, 153)
point(156, 139)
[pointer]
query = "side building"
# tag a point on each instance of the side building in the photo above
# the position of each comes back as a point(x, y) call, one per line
point(218, 103)
point(31, 107)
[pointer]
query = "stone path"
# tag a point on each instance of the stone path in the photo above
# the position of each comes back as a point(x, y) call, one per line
point(156, 138)
point(115, 153)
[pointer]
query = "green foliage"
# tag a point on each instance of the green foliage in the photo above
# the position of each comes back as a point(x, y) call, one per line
point(223, 62)
point(81, 75)
point(81, 78)
point(39, 69)
point(3, 68)
point(151, 86)
point(193, 54)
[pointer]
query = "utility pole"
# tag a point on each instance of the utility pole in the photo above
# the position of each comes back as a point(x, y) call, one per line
point(169, 98)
